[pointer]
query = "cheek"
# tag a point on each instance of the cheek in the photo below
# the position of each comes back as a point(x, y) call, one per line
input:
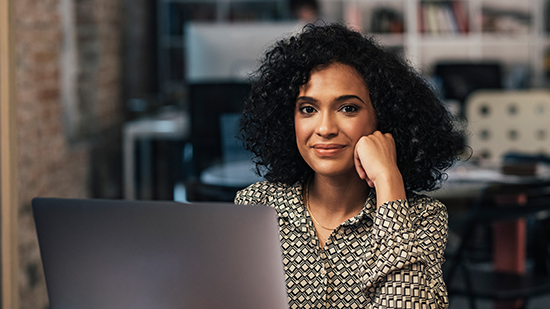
point(302, 132)
point(299, 131)
point(299, 126)
point(369, 124)
point(359, 128)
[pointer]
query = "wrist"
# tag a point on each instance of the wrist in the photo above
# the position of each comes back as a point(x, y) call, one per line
point(389, 187)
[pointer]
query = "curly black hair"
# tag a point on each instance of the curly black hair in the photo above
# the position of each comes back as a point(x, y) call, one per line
point(427, 140)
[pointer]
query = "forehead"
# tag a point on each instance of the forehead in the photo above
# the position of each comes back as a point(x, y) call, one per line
point(335, 76)
point(337, 66)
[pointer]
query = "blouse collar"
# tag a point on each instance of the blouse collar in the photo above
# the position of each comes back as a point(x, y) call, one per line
point(292, 208)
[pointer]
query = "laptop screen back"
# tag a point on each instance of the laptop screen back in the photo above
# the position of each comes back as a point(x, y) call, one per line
point(137, 254)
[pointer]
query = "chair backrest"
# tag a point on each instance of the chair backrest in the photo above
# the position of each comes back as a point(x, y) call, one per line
point(232, 148)
point(506, 121)
point(208, 102)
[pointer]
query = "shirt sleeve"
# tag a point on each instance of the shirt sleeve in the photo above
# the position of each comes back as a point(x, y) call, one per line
point(240, 198)
point(253, 194)
point(402, 269)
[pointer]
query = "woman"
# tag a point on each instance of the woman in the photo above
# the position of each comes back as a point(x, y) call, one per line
point(345, 133)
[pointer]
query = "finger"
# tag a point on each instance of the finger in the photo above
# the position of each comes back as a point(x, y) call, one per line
point(360, 172)
point(370, 183)
point(358, 165)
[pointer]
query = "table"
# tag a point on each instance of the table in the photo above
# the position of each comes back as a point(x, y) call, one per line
point(171, 125)
point(467, 181)
point(231, 174)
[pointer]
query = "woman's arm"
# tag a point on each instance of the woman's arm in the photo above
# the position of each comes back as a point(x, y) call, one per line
point(376, 162)
point(403, 266)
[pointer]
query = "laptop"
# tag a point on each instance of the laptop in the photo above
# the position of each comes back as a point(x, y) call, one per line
point(151, 254)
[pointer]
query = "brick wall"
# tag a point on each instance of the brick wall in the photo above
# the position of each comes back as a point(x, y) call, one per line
point(50, 164)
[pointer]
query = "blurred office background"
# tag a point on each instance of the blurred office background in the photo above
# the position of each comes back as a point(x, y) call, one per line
point(137, 98)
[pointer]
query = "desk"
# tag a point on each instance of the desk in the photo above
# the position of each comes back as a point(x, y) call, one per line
point(510, 237)
point(238, 174)
point(171, 125)
point(466, 180)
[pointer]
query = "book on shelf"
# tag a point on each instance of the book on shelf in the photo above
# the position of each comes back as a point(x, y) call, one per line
point(461, 16)
point(509, 21)
point(386, 20)
point(441, 17)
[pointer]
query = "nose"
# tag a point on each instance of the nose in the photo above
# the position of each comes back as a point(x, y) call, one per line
point(327, 126)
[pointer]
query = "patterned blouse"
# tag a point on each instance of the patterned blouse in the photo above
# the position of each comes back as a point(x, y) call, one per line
point(385, 258)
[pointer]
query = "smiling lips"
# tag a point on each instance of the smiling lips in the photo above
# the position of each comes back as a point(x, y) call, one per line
point(328, 149)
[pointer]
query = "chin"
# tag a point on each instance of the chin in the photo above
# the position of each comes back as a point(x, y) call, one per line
point(335, 171)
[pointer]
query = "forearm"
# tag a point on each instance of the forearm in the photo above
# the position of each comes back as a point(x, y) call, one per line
point(410, 287)
point(389, 187)
point(406, 257)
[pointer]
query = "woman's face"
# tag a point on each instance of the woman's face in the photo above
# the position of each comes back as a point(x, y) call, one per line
point(333, 110)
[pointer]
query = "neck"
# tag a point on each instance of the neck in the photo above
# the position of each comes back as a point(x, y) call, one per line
point(337, 198)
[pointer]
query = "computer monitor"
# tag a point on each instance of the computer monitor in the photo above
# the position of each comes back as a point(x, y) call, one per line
point(229, 51)
point(459, 79)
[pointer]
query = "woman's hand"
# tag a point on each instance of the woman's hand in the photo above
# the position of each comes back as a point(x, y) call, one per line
point(376, 162)
point(375, 156)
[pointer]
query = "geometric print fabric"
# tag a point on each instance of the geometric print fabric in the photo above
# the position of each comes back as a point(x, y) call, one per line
point(389, 257)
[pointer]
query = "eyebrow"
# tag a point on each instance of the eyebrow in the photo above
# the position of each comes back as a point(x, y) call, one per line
point(338, 99)
point(306, 98)
point(347, 97)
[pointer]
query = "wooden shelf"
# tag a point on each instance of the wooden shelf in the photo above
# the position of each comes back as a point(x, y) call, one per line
point(422, 49)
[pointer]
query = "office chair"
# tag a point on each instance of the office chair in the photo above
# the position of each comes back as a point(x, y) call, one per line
point(508, 121)
point(502, 206)
point(208, 101)
point(211, 105)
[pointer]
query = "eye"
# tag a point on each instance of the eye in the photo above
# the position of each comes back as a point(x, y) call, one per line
point(307, 109)
point(349, 109)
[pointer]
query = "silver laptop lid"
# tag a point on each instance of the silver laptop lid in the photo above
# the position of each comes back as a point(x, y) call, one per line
point(149, 254)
